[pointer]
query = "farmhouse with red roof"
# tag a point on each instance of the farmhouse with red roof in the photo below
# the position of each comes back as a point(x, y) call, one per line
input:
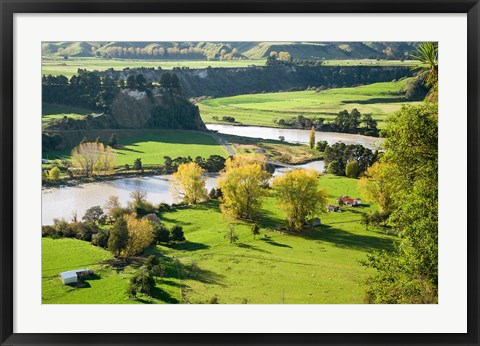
point(349, 201)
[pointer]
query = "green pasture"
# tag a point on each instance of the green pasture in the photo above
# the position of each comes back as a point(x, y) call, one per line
point(318, 266)
point(70, 67)
point(378, 99)
point(151, 147)
point(52, 112)
point(369, 62)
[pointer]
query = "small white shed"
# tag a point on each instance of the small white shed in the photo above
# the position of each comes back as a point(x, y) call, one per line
point(72, 276)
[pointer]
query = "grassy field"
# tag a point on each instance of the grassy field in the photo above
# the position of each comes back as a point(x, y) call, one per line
point(70, 67)
point(152, 147)
point(378, 99)
point(316, 266)
point(276, 150)
point(369, 62)
point(51, 112)
point(60, 255)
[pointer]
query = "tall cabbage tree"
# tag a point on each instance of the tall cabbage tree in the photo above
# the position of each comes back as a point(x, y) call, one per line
point(427, 64)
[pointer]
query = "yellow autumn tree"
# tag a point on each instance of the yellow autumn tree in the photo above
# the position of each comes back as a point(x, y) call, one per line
point(243, 187)
point(140, 235)
point(93, 156)
point(107, 159)
point(374, 186)
point(189, 183)
point(300, 196)
point(242, 160)
point(311, 140)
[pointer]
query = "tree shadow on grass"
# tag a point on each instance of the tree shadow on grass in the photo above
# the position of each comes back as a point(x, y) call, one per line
point(160, 294)
point(189, 246)
point(251, 247)
point(269, 220)
point(177, 222)
point(120, 264)
point(177, 270)
point(377, 100)
point(84, 282)
point(119, 151)
point(274, 243)
point(345, 239)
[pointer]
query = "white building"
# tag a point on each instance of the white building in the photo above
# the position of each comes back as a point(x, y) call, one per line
point(72, 276)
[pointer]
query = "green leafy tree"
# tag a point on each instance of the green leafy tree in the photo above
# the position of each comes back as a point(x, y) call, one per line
point(352, 169)
point(177, 234)
point(410, 273)
point(232, 235)
point(93, 214)
point(131, 82)
point(137, 164)
point(118, 240)
point(255, 230)
point(113, 141)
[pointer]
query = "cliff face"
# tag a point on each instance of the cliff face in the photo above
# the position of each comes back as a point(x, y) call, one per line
point(218, 82)
point(160, 109)
point(236, 81)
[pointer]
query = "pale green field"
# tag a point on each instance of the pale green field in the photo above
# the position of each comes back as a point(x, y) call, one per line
point(69, 67)
point(152, 147)
point(378, 99)
point(369, 62)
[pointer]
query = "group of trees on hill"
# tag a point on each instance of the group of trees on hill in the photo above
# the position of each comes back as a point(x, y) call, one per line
point(95, 90)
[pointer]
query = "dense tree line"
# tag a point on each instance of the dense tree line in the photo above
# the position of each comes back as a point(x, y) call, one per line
point(96, 90)
point(218, 82)
point(405, 184)
point(338, 155)
point(345, 122)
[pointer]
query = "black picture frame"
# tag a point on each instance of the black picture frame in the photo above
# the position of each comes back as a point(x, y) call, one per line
point(9, 7)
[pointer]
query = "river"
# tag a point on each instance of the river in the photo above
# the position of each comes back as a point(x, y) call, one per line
point(295, 135)
point(63, 202)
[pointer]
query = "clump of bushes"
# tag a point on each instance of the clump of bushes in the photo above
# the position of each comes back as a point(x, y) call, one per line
point(144, 280)
point(168, 236)
point(228, 119)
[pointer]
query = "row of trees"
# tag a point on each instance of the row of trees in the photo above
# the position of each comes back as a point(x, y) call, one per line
point(243, 186)
point(345, 122)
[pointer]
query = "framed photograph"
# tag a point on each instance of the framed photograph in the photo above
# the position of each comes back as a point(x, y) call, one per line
point(258, 172)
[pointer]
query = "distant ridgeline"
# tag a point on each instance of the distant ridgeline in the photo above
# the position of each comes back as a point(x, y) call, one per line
point(227, 50)
point(218, 82)
point(131, 104)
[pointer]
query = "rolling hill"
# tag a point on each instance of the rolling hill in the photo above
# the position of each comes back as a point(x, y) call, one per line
point(228, 50)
